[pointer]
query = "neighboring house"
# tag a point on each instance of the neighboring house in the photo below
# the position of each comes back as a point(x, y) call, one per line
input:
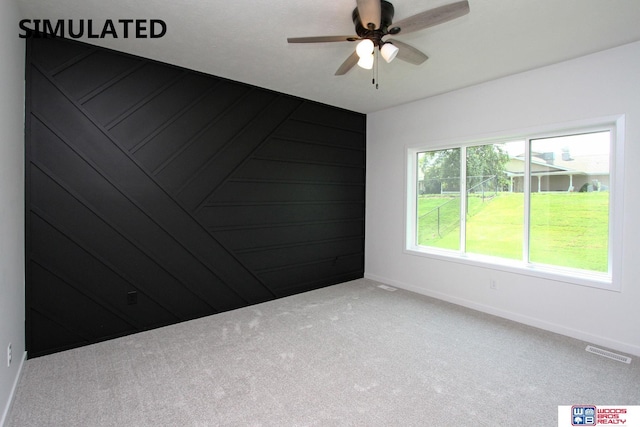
point(569, 173)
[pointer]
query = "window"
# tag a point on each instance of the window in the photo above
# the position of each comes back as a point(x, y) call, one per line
point(569, 201)
point(540, 203)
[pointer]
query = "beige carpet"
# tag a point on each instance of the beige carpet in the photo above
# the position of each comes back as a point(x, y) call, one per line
point(350, 354)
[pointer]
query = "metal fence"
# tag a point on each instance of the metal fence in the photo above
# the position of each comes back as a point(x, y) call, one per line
point(442, 219)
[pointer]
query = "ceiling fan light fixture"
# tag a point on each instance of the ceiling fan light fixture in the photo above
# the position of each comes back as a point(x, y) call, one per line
point(373, 20)
point(366, 62)
point(388, 51)
point(364, 48)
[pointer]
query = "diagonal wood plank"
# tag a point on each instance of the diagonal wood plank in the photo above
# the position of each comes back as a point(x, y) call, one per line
point(96, 146)
point(236, 152)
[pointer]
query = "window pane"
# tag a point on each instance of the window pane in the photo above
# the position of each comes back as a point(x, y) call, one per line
point(570, 201)
point(438, 204)
point(495, 201)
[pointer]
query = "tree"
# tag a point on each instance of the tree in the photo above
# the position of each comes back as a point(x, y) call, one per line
point(441, 169)
point(484, 161)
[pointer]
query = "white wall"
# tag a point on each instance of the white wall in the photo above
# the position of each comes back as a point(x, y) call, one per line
point(599, 85)
point(12, 53)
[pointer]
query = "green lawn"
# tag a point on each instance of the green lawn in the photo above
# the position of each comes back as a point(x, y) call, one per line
point(567, 229)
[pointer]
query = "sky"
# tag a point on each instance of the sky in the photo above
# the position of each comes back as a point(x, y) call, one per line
point(578, 145)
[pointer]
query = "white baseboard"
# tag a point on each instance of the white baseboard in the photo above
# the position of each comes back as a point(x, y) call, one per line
point(13, 391)
point(516, 317)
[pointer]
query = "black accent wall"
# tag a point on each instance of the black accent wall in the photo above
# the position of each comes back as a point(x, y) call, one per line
point(157, 194)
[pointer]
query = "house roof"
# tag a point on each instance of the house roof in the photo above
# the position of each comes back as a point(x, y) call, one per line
point(592, 164)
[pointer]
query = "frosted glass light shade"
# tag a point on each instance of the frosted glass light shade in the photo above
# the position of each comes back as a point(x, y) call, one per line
point(366, 62)
point(388, 51)
point(364, 48)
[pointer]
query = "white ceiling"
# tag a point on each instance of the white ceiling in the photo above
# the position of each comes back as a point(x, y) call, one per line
point(245, 40)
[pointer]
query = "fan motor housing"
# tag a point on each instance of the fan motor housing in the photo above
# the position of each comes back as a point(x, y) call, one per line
point(386, 18)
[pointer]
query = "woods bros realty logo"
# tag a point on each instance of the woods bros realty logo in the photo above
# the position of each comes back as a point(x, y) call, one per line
point(591, 415)
point(77, 28)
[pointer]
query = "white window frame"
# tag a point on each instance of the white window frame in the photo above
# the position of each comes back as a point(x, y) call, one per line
point(608, 281)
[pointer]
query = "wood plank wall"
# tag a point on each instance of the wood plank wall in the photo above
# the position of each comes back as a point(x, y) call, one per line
point(156, 194)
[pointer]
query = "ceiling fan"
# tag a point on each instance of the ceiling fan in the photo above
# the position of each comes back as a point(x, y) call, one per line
point(374, 21)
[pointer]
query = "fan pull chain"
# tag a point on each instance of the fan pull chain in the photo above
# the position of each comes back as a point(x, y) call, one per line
point(373, 69)
point(375, 78)
point(377, 62)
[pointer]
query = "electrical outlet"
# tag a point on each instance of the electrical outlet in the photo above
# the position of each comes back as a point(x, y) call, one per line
point(9, 355)
point(493, 284)
point(132, 297)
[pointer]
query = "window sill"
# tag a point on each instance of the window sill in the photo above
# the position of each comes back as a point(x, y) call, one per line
point(567, 275)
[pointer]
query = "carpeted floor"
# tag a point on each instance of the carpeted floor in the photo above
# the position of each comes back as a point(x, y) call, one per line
point(350, 354)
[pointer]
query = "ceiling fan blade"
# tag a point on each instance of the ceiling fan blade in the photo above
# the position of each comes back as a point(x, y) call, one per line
point(348, 64)
point(408, 53)
point(322, 39)
point(370, 12)
point(430, 18)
